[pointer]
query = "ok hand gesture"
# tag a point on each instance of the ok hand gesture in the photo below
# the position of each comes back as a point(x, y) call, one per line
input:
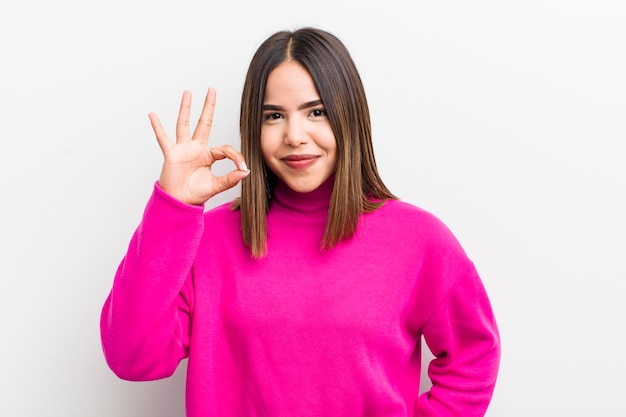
point(186, 173)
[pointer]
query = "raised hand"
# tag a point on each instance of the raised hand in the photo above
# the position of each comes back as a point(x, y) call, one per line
point(186, 173)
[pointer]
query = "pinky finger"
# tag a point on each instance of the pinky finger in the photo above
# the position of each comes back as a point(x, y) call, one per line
point(164, 142)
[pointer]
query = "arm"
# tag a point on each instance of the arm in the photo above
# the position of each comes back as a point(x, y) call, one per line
point(145, 321)
point(462, 335)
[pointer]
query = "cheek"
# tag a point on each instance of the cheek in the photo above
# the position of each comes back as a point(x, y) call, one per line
point(333, 145)
point(334, 161)
point(330, 143)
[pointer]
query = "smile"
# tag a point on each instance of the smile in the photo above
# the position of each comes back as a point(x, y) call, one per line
point(300, 161)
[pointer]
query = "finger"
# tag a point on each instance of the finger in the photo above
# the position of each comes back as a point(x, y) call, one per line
point(182, 124)
point(203, 129)
point(229, 180)
point(164, 142)
point(228, 152)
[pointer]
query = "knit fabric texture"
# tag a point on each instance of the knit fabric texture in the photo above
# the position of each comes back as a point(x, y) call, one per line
point(302, 331)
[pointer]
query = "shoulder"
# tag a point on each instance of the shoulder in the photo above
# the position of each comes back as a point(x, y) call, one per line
point(222, 233)
point(406, 209)
point(401, 214)
point(417, 227)
point(222, 216)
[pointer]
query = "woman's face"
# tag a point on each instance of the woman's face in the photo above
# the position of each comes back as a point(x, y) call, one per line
point(297, 142)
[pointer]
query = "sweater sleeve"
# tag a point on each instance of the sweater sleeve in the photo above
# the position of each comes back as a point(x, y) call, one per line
point(462, 335)
point(146, 319)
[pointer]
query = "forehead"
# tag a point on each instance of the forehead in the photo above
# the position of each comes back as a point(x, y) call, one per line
point(290, 81)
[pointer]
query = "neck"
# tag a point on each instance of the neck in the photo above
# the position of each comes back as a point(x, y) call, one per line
point(311, 203)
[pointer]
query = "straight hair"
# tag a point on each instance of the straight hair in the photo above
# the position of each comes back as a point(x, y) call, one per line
point(357, 187)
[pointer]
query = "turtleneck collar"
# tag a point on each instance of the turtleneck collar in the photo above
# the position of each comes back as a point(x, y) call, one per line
point(311, 203)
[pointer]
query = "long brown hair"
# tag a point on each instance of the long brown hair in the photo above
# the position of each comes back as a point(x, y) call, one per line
point(358, 187)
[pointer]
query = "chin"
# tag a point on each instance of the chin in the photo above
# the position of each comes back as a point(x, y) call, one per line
point(303, 185)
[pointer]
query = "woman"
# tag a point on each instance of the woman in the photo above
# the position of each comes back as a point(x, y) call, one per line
point(309, 295)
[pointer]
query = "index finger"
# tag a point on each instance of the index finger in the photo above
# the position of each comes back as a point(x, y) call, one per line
point(203, 129)
point(162, 139)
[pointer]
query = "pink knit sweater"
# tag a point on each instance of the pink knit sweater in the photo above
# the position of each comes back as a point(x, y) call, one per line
point(302, 332)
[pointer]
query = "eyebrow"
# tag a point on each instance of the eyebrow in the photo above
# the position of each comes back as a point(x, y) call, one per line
point(302, 106)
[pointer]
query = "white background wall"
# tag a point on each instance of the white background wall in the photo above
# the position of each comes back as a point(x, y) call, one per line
point(504, 118)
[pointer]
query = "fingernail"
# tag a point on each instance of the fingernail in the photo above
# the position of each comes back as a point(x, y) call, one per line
point(245, 167)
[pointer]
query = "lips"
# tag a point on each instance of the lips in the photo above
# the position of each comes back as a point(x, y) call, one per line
point(299, 161)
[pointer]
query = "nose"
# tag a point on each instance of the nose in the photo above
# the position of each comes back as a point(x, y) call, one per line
point(295, 133)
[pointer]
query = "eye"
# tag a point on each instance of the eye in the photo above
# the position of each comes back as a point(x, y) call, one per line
point(271, 116)
point(318, 112)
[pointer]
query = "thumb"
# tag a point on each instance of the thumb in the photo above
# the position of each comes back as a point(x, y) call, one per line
point(229, 180)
